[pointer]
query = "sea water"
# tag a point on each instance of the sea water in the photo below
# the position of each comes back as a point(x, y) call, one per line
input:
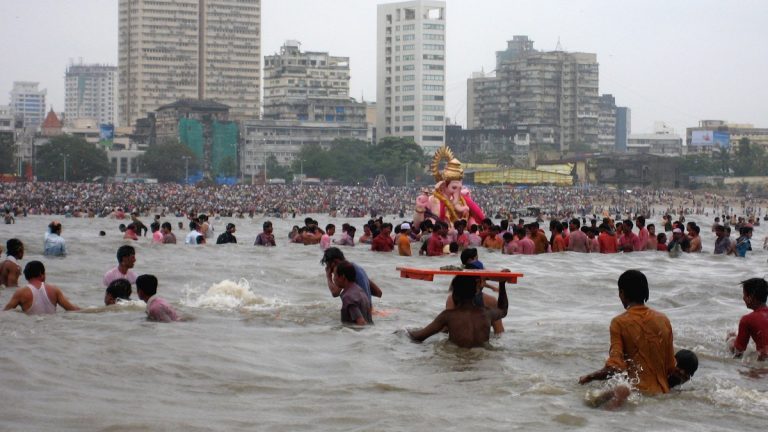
point(261, 346)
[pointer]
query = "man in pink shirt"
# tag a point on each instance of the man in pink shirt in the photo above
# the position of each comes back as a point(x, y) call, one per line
point(325, 240)
point(157, 308)
point(126, 258)
point(527, 247)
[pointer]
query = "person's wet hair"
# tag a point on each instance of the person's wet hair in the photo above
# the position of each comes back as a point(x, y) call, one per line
point(124, 251)
point(332, 254)
point(147, 284)
point(468, 254)
point(120, 289)
point(757, 288)
point(464, 288)
point(634, 285)
point(33, 269)
point(688, 361)
point(346, 269)
point(13, 246)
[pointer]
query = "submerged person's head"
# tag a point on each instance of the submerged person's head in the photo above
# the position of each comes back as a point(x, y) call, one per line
point(688, 363)
point(117, 289)
point(633, 287)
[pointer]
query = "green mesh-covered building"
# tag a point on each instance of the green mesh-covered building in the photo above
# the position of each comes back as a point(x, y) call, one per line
point(204, 127)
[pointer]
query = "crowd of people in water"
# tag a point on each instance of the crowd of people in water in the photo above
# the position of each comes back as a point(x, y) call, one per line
point(568, 220)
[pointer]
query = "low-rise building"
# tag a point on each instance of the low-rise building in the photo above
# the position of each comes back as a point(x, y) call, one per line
point(284, 139)
point(712, 135)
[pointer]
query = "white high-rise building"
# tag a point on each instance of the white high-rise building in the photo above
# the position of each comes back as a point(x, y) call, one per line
point(28, 103)
point(410, 91)
point(91, 93)
point(189, 49)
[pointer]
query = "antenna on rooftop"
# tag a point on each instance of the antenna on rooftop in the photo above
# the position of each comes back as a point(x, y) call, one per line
point(559, 46)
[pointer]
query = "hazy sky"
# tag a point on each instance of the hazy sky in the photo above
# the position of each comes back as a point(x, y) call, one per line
point(678, 61)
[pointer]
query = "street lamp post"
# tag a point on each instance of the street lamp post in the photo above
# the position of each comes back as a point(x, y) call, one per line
point(65, 167)
point(301, 175)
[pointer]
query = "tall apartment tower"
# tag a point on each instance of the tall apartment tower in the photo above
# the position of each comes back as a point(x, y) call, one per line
point(91, 93)
point(410, 69)
point(607, 123)
point(28, 103)
point(189, 49)
point(553, 93)
point(309, 86)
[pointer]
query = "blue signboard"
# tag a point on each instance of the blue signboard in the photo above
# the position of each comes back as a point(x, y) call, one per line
point(721, 139)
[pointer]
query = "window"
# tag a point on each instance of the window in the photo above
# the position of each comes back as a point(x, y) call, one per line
point(408, 118)
point(437, 37)
point(438, 108)
point(409, 67)
point(409, 77)
point(408, 47)
point(428, 97)
point(433, 77)
point(408, 108)
point(408, 57)
point(407, 98)
point(432, 128)
point(409, 27)
point(434, 47)
point(407, 128)
point(432, 118)
point(433, 57)
point(431, 138)
point(409, 37)
point(428, 26)
point(433, 67)
point(431, 87)
point(407, 88)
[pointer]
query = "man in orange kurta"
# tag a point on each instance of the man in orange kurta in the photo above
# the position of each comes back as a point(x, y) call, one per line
point(641, 343)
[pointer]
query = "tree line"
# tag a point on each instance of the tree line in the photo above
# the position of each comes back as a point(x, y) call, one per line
point(347, 161)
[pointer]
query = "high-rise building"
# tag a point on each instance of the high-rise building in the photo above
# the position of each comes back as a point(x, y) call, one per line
point(189, 49)
point(28, 103)
point(623, 128)
point(552, 93)
point(606, 123)
point(91, 93)
point(410, 69)
point(309, 86)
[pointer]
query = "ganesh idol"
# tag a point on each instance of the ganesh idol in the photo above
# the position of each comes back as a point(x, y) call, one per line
point(449, 201)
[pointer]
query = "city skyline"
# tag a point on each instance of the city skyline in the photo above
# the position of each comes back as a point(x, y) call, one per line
point(668, 62)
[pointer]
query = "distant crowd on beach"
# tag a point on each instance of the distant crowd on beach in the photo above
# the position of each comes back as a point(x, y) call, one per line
point(501, 202)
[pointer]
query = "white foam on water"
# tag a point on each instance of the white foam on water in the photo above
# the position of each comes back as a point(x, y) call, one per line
point(231, 295)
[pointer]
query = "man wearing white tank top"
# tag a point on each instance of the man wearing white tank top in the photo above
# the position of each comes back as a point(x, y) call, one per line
point(37, 298)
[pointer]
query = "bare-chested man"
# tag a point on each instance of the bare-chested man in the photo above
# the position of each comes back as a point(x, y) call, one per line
point(469, 324)
point(37, 298)
point(10, 269)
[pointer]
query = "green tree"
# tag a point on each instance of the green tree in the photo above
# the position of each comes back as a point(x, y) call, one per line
point(7, 158)
point(275, 170)
point(165, 161)
point(228, 167)
point(750, 160)
point(71, 158)
point(393, 154)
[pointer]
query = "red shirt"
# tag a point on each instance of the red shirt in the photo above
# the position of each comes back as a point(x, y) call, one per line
point(607, 243)
point(382, 243)
point(435, 245)
point(754, 325)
